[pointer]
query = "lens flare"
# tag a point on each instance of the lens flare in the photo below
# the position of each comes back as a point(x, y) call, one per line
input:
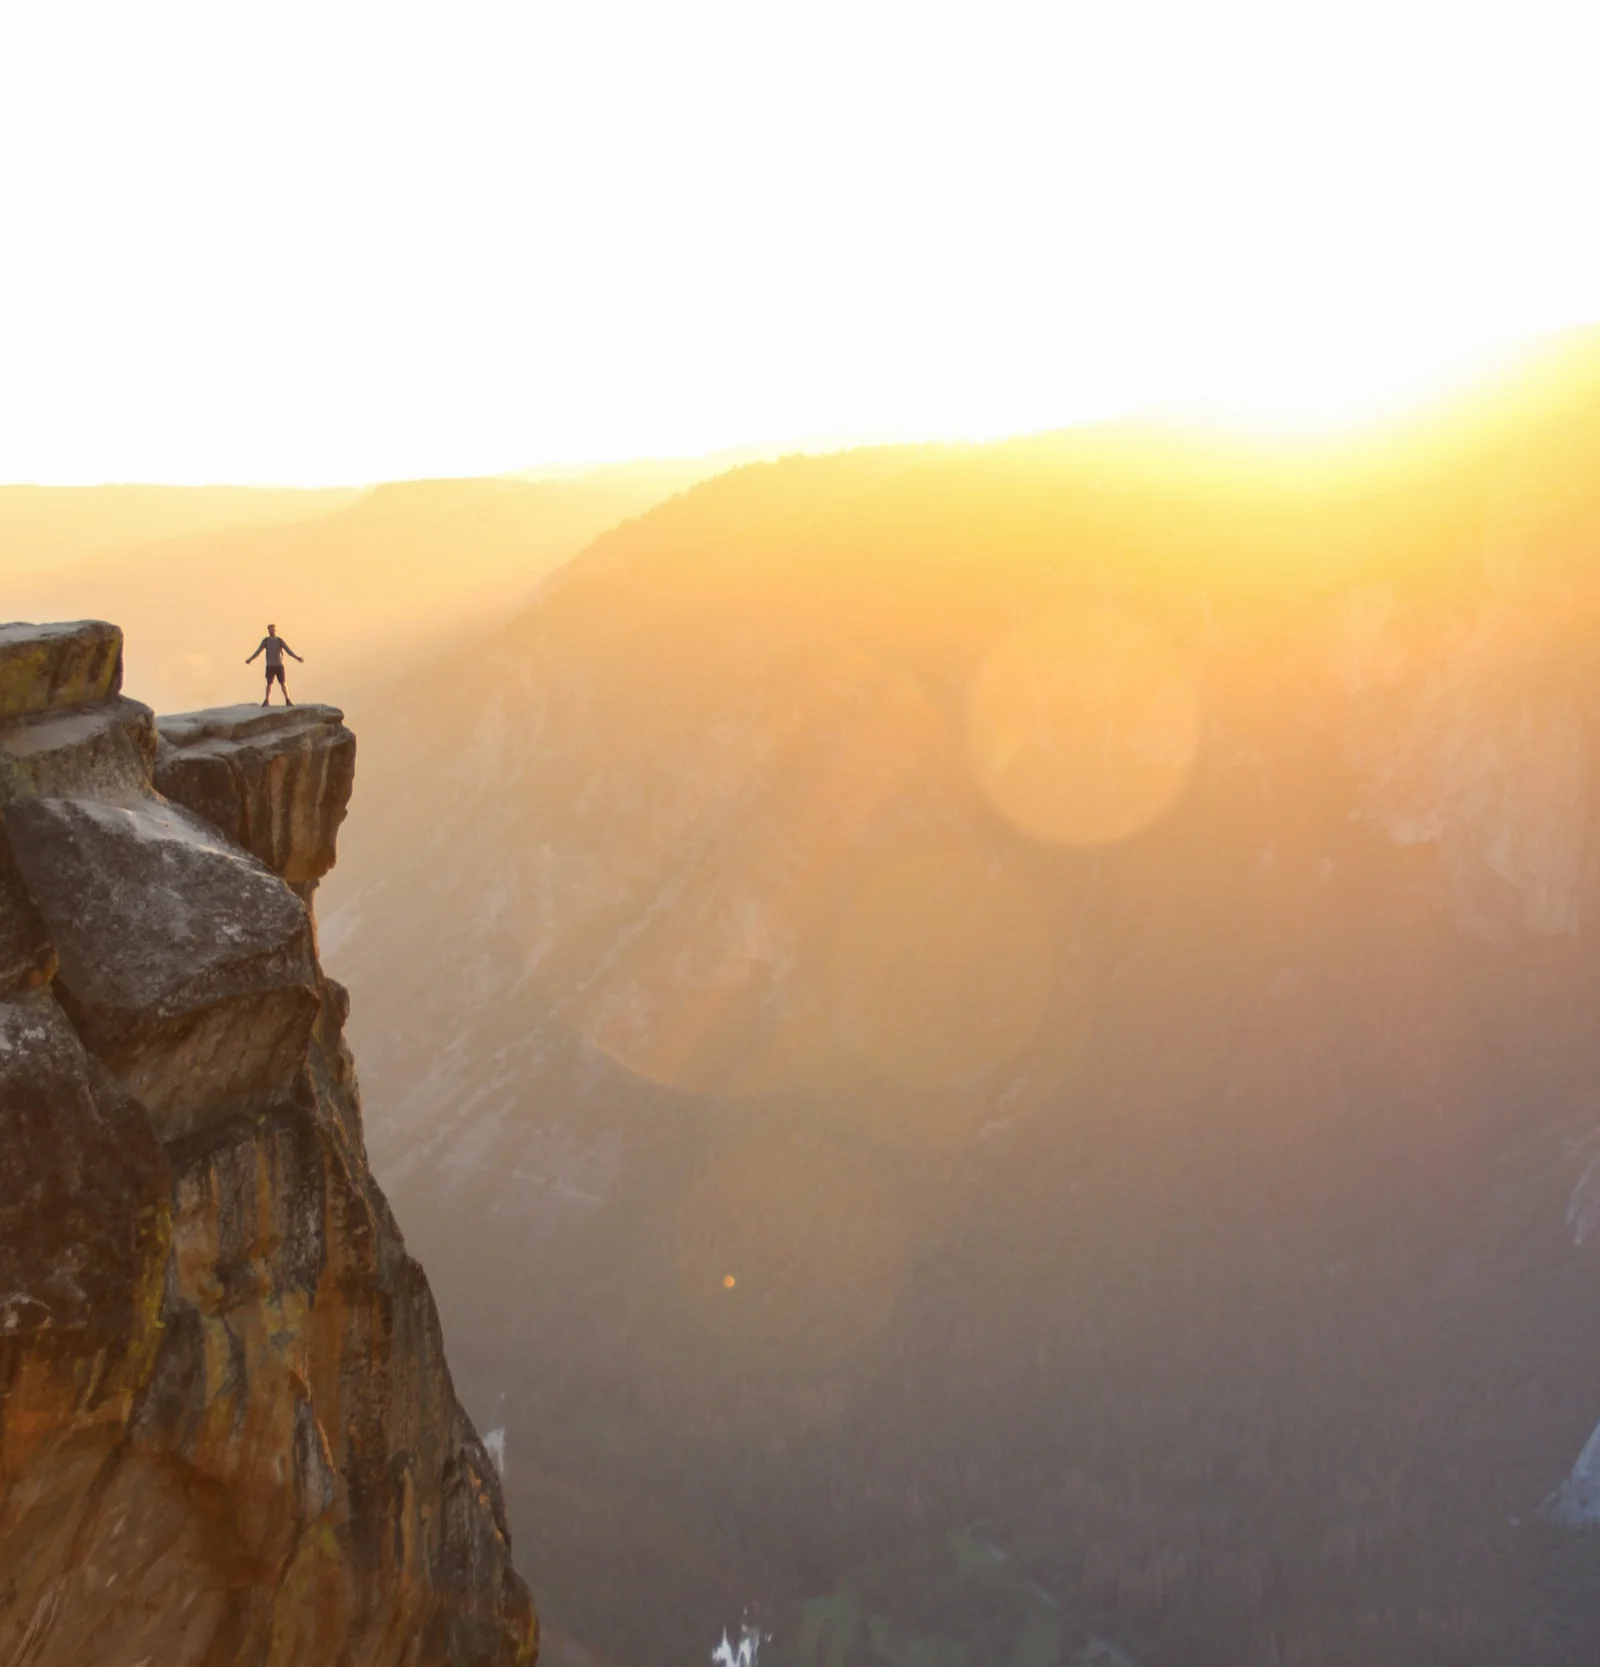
point(696, 969)
point(940, 966)
point(819, 1243)
point(1083, 727)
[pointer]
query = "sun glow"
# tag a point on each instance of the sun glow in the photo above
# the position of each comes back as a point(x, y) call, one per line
point(316, 244)
point(1327, 387)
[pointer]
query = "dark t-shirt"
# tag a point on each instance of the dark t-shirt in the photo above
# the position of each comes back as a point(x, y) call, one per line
point(275, 647)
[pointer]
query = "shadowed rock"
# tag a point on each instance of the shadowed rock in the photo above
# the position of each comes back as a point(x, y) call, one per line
point(84, 1213)
point(185, 964)
point(83, 1187)
point(44, 667)
point(27, 956)
point(276, 781)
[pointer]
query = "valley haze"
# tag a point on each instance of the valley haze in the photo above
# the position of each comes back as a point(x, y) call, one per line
point(988, 1048)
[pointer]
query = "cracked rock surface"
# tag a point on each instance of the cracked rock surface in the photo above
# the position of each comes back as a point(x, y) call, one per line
point(228, 1431)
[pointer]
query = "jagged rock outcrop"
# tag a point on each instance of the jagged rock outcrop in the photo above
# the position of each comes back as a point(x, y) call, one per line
point(228, 1432)
point(275, 782)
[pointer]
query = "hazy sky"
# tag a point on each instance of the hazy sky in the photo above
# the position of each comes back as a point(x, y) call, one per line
point(338, 242)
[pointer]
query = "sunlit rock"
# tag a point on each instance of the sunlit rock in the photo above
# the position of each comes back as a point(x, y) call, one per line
point(275, 780)
point(44, 667)
point(102, 751)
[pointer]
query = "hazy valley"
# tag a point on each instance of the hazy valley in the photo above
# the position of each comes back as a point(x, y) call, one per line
point(916, 981)
point(827, 1138)
point(378, 580)
point(988, 1049)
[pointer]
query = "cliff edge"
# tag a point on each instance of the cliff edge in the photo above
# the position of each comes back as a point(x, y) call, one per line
point(228, 1432)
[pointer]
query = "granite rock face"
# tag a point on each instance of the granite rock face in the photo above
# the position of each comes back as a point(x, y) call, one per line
point(27, 957)
point(105, 749)
point(275, 780)
point(186, 965)
point(228, 1432)
point(45, 668)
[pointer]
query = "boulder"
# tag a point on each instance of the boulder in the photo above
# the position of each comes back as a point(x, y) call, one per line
point(46, 667)
point(186, 966)
point(275, 780)
point(103, 752)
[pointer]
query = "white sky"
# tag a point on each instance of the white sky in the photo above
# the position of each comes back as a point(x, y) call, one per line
point(341, 242)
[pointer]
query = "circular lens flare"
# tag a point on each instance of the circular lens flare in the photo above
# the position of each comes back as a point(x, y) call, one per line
point(688, 950)
point(1083, 727)
point(941, 965)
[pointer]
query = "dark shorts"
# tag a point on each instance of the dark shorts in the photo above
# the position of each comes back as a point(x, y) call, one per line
point(275, 672)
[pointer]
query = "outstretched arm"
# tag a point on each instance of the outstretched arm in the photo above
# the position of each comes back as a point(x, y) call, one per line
point(291, 653)
point(257, 652)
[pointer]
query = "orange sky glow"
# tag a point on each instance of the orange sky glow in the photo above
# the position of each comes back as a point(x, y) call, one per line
point(345, 242)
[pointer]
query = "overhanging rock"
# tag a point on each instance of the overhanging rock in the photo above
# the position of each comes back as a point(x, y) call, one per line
point(276, 781)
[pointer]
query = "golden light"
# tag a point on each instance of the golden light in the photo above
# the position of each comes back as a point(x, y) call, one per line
point(702, 995)
point(1277, 214)
point(1083, 726)
point(941, 965)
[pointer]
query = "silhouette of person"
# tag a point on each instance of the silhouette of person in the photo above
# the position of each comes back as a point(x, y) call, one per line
point(275, 648)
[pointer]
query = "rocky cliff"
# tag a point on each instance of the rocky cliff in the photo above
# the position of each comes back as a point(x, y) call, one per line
point(228, 1432)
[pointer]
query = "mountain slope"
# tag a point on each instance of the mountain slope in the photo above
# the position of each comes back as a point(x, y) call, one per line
point(1045, 986)
point(52, 526)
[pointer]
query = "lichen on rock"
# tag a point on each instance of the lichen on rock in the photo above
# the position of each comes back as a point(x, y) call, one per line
point(228, 1432)
point(45, 668)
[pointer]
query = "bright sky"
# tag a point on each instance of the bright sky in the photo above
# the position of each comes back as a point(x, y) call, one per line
point(337, 242)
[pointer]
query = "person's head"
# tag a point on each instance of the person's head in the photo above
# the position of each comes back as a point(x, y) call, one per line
point(272, 630)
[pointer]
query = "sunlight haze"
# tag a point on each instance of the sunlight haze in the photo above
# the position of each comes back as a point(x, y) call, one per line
point(340, 243)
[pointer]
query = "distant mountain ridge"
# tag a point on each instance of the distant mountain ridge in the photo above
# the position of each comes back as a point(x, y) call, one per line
point(1042, 985)
point(46, 527)
point(358, 584)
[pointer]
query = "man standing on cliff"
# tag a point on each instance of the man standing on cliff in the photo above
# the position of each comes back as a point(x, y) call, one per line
point(275, 648)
